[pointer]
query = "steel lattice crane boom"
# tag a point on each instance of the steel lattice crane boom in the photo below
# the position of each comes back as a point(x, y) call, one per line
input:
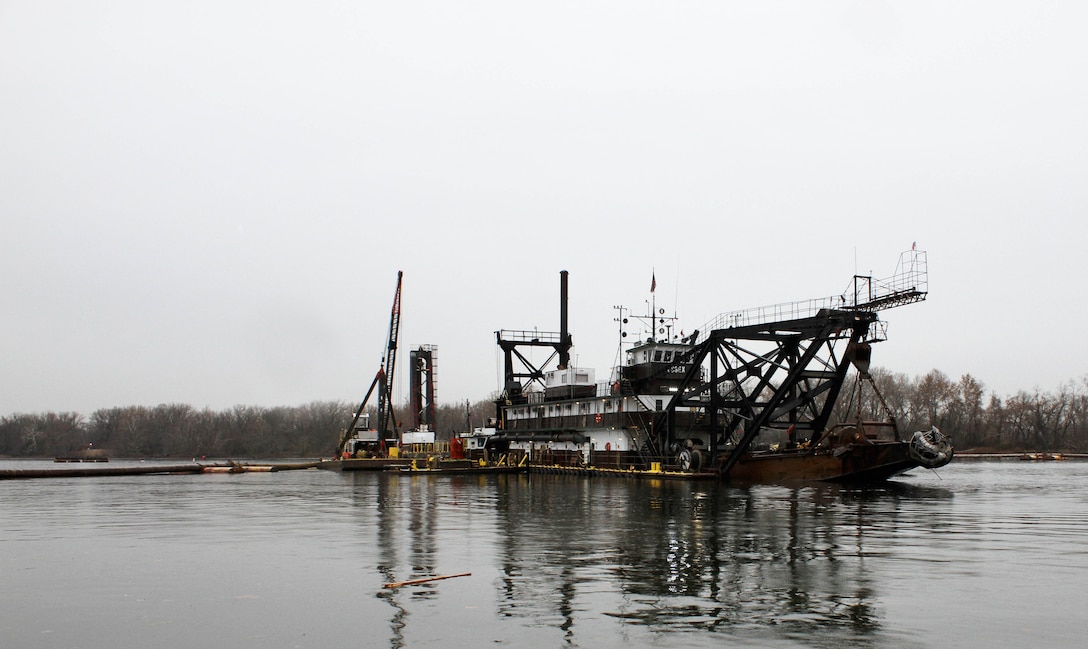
point(383, 380)
point(385, 396)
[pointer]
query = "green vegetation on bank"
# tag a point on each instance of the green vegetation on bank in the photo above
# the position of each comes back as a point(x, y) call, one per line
point(1043, 421)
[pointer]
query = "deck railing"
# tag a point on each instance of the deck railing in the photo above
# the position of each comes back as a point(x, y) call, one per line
point(909, 283)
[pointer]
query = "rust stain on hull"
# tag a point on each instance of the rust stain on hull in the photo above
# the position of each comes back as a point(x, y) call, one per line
point(854, 463)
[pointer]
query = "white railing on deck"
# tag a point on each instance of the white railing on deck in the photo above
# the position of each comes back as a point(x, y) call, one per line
point(910, 283)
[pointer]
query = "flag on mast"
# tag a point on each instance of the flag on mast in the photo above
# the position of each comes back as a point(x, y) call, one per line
point(653, 281)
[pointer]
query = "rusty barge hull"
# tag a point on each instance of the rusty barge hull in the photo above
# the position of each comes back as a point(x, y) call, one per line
point(861, 463)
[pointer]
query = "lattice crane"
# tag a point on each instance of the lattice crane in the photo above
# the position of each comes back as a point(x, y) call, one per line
point(383, 380)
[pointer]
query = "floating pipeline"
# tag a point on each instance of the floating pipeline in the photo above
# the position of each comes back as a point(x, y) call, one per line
point(150, 469)
point(87, 472)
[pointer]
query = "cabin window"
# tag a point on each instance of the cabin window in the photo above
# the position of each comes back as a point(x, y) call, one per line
point(668, 357)
point(657, 405)
point(645, 356)
point(564, 378)
point(657, 356)
point(583, 378)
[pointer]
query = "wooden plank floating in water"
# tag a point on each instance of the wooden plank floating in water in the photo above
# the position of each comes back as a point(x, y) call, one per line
point(412, 582)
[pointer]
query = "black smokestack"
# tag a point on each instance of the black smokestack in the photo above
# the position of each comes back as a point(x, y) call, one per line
point(564, 335)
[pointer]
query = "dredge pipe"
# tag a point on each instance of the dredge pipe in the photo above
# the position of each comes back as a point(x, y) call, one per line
point(10, 474)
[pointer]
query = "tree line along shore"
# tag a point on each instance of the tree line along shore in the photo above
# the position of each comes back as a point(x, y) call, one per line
point(1054, 421)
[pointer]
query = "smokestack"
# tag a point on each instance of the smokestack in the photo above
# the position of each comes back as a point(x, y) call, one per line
point(564, 336)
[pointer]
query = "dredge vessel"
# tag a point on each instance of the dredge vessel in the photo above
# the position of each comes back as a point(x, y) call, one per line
point(749, 397)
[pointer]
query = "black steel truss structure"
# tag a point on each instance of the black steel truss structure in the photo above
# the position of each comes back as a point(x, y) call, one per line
point(510, 340)
point(782, 375)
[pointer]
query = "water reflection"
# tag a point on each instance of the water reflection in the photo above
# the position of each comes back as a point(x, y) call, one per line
point(585, 560)
point(994, 554)
point(678, 556)
point(388, 550)
point(402, 511)
point(406, 516)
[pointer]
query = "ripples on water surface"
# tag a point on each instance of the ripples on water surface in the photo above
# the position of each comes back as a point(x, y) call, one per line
point(990, 554)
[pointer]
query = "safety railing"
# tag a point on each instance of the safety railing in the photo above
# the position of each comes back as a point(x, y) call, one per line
point(909, 283)
point(519, 336)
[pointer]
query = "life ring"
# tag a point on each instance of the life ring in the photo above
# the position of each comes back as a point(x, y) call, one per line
point(608, 446)
point(597, 417)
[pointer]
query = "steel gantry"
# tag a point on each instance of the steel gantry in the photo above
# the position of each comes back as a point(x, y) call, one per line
point(509, 341)
point(783, 375)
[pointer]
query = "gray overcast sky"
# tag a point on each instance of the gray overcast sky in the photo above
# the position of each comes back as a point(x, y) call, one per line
point(208, 202)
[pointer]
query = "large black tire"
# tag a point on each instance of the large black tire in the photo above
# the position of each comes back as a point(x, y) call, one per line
point(696, 461)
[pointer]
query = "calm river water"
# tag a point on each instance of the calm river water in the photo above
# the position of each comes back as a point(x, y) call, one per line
point(987, 554)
